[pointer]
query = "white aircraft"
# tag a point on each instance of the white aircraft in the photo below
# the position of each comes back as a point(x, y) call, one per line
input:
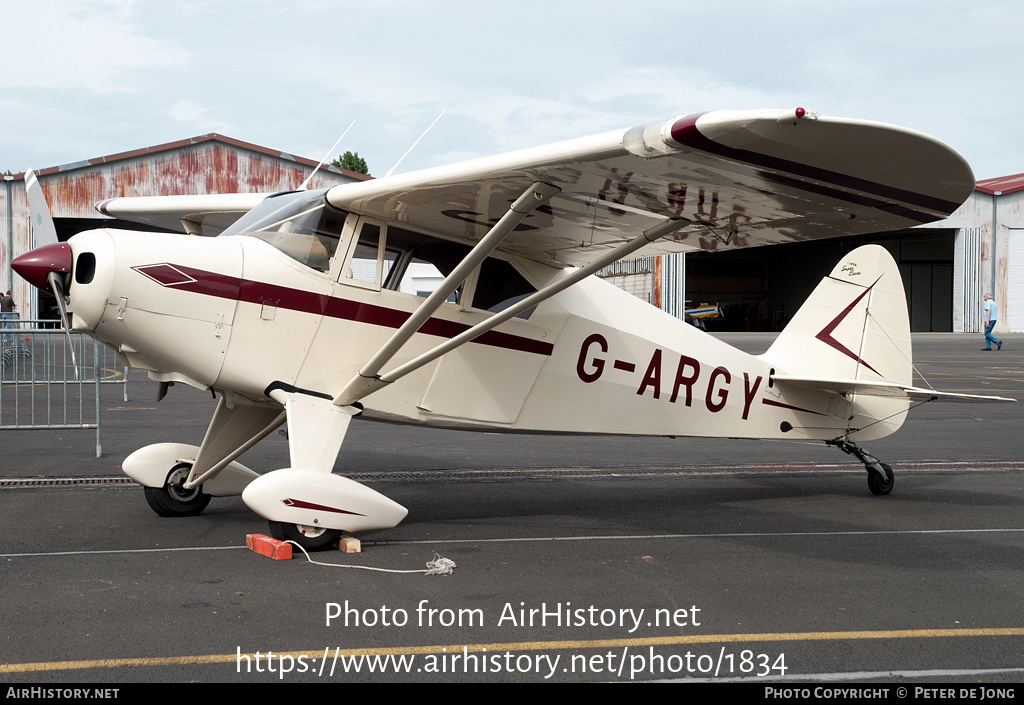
point(293, 313)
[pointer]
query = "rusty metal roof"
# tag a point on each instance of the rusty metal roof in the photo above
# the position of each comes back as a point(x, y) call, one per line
point(170, 146)
point(1001, 185)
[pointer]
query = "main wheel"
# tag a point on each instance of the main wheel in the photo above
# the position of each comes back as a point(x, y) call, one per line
point(173, 500)
point(879, 486)
point(311, 538)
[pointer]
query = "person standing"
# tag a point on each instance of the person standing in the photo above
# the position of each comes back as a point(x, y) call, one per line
point(7, 307)
point(989, 311)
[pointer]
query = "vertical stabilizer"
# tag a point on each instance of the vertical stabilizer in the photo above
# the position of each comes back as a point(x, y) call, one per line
point(854, 326)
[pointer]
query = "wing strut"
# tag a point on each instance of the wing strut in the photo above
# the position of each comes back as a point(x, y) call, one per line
point(352, 394)
point(368, 379)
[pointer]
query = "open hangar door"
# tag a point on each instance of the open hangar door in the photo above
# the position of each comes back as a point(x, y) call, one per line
point(760, 289)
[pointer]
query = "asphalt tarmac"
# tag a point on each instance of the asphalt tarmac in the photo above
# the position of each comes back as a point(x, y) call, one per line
point(577, 558)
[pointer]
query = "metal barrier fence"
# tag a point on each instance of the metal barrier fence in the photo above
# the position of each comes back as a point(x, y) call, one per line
point(40, 386)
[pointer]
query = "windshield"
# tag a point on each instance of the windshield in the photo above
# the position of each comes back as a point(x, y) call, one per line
point(300, 224)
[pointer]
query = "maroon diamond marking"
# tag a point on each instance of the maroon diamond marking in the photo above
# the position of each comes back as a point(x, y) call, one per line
point(165, 274)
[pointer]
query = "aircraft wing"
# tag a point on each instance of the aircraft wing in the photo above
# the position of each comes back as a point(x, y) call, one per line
point(886, 389)
point(208, 214)
point(741, 179)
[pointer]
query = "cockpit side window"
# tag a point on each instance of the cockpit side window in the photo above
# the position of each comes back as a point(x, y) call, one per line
point(422, 262)
point(371, 262)
point(500, 286)
point(302, 225)
point(427, 260)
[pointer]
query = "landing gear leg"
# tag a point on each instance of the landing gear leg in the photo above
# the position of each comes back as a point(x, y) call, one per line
point(880, 475)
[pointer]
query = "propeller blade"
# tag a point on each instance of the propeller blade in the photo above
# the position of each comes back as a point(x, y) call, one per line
point(57, 286)
point(41, 222)
point(49, 258)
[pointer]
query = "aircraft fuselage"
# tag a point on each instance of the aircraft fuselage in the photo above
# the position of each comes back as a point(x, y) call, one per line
point(237, 315)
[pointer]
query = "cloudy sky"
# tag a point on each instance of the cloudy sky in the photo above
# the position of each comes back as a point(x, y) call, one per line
point(87, 78)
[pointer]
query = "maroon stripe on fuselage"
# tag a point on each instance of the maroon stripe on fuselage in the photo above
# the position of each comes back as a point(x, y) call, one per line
point(685, 132)
point(772, 402)
point(283, 297)
point(227, 287)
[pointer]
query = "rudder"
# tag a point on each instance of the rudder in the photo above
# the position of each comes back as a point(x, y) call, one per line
point(854, 326)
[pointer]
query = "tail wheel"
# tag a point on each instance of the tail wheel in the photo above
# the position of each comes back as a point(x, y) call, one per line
point(173, 500)
point(311, 538)
point(876, 484)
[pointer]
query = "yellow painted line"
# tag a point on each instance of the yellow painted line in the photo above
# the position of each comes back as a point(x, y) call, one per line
point(517, 646)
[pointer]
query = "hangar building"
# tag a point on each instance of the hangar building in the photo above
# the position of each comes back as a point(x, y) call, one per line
point(946, 266)
point(206, 164)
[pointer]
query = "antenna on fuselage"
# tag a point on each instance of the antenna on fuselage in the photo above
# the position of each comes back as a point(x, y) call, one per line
point(392, 169)
point(327, 156)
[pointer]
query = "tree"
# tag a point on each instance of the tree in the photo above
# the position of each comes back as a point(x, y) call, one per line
point(352, 162)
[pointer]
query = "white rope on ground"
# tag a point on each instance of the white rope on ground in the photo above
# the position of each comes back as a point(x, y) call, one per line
point(438, 566)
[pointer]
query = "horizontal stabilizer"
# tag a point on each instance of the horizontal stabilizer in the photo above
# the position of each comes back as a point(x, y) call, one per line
point(892, 390)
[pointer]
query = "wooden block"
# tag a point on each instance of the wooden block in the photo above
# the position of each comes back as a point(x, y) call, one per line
point(269, 547)
point(350, 544)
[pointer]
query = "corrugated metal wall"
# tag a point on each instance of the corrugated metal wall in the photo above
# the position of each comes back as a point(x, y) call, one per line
point(17, 239)
point(1015, 281)
point(1009, 268)
point(673, 285)
point(637, 277)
